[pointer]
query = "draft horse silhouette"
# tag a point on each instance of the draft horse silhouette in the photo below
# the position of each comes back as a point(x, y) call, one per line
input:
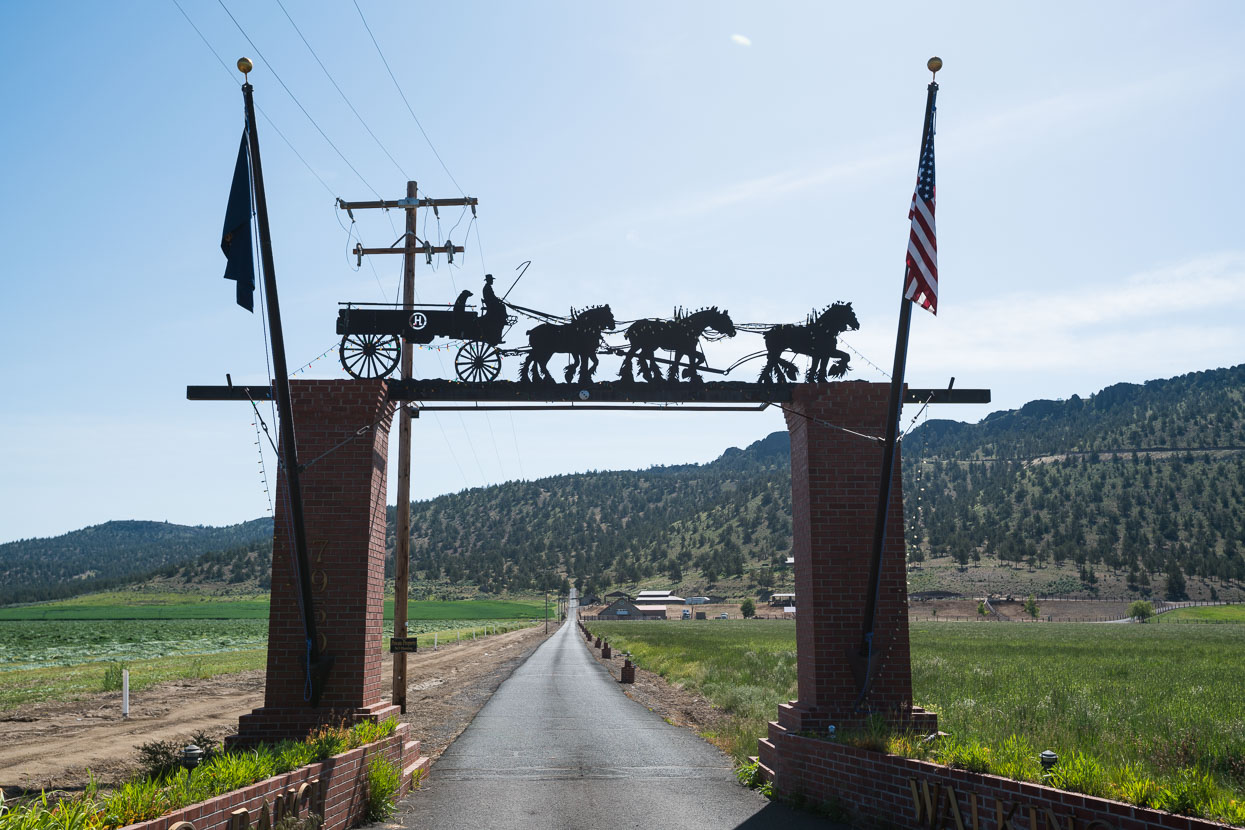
point(578, 338)
point(680, 335)
point(818, 338)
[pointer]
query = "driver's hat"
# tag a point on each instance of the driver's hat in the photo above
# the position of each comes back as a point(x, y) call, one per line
point(488, 277)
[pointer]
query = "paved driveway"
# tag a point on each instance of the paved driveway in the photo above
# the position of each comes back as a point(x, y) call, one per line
point(560, 746)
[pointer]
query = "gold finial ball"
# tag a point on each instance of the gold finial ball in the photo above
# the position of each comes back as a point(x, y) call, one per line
point(245, 65)
point(934, 64)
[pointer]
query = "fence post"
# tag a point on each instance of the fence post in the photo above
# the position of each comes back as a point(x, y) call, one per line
point(125, 693)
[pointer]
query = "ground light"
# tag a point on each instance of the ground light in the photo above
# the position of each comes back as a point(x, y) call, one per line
point(190, 756)
point(1048, 760)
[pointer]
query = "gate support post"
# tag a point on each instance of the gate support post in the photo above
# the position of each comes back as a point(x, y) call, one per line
point(344, 497)
point(834, 481)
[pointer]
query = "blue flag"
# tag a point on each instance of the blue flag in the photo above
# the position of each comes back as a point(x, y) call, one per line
point(235, 240)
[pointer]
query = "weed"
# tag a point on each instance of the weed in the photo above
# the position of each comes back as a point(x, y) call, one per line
point(383, 781)
point(1082, 774)
point(1134, 787)
point(965, 755)
point(113, 677)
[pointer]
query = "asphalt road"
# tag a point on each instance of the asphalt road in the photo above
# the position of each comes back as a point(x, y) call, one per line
point(560, 746)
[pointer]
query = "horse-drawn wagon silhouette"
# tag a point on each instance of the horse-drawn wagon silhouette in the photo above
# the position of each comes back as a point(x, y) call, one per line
point(372, 336)
point(371, 348)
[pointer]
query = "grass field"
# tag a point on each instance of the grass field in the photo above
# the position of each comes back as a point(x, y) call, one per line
point(70, 682)
point(62, 649)
point(50, 665)
point(140, 606)
point(1160, 698)
point(1204, 614)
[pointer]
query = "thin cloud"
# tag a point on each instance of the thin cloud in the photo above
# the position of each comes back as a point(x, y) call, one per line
point(742, 40)
point(1172, 315)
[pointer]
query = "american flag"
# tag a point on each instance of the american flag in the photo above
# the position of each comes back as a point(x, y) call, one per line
point(921, 279)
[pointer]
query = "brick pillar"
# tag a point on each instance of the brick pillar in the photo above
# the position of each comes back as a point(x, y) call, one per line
point(344, 505)
point(834, 486)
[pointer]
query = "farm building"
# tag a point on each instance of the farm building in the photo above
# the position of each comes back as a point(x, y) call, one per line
point(625, 609)
point(655, 597)
point(782, 599)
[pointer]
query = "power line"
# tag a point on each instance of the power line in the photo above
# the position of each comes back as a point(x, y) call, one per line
point(339, 91)
point(398, 86)
point(294, 98)
point(271, 123)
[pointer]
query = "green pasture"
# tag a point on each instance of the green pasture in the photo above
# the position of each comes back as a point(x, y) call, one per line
point(1204, 614)
point(134, 605)
point(1160, 698)
point(70, 682)
point(63, 660)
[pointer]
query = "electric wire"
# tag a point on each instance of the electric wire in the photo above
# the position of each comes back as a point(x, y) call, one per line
point(398, 87)
point(271, 123)
point(379, 144)
point(294, 98)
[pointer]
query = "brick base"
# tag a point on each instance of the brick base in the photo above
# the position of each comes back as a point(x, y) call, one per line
point(335, 789)
point(885, 790)
point(269, 724)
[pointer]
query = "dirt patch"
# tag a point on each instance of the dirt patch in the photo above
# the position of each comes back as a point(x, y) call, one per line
point(674, 703)
point(53, 745)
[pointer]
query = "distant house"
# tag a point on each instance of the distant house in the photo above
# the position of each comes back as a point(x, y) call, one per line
point(782, 599)
point(652, 612)
point(790, 560)
point(696, 601)
point(618, 595)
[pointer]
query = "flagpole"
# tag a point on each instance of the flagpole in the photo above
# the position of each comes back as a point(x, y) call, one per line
point(892, 435)
point(317, 669)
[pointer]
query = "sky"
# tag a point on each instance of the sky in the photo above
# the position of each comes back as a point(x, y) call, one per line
point(759, 157)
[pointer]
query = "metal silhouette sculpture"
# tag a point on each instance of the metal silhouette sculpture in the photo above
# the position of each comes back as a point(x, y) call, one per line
point(579, 338)
point(817, 338)
point(371, 342)
point(680, 336)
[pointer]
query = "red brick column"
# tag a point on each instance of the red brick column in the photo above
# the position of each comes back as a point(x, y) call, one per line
point(834, 486)
point(344, 505)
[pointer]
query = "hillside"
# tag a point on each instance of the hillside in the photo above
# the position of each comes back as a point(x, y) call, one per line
point(1133, 483)
point(1137, 490)
point(116, 553)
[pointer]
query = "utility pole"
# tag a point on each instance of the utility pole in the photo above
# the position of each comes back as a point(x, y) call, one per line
point(410, 248)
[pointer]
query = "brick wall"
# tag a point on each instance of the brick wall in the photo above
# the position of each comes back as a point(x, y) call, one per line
point(886, 789)
point(344, 507)
point(834, 485)
point(335, 789)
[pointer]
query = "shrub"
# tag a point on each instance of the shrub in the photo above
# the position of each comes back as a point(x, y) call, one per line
point(383, 780)
point(748, 608)
point(1141, 610)
point(112, 677)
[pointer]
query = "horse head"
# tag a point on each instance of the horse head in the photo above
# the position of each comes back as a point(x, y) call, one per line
point(720, 321)
point(839, 317)
point(598, 317)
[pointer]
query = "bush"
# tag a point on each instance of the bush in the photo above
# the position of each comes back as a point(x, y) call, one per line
point(748, 608)
point(112, 677)
point(383, 781)
point(1141, 610)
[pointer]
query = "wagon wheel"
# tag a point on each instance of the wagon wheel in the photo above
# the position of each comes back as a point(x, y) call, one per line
point(367, 356)
point(477, 361)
